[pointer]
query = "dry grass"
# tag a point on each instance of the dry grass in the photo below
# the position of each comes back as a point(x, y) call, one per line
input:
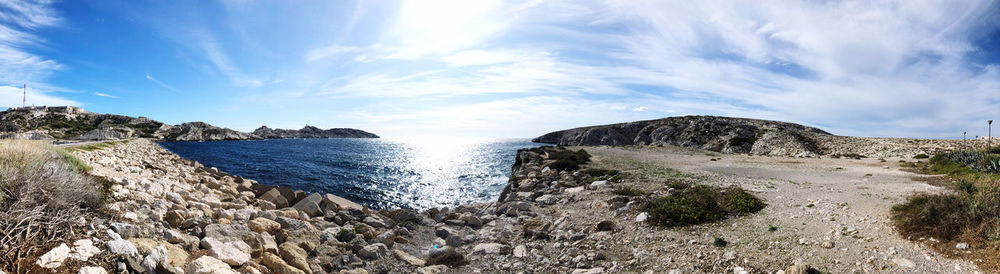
point(44, 195)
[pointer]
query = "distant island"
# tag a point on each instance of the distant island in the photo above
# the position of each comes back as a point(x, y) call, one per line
point(73, 123)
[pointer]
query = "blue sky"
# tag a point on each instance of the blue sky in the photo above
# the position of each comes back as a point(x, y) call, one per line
point(511, 68)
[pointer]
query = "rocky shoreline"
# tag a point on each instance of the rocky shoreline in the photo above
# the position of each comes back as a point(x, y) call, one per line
point(169, 214)
point(73, 123)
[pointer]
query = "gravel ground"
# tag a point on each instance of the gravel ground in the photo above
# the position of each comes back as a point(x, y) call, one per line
point(832, 214)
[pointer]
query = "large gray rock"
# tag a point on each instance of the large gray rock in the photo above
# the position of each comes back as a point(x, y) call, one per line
point(274, 196)
point(310, 205)
point(374, 251)
point(334, 202)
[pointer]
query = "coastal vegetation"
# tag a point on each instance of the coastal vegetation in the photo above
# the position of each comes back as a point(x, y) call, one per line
point(697, 204)
point(44, 192)
point(968, 214)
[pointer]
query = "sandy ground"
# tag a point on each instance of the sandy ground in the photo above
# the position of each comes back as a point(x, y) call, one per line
point(845, 202)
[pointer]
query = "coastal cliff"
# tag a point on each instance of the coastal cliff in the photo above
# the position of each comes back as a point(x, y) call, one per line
point(746, 136)
point(72, 123)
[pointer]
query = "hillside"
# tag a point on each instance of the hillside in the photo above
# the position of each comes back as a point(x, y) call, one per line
point(72, 123)
point(748, 136)
point(311, 132)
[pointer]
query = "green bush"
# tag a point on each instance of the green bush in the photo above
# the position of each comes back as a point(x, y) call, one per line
point(965, 186)
point(921, 156)
point(720, 242)
point(942, 216)
point(563, 165)
point(628, 191)
point(579, 156)
point(701, 204)
point(598, 172)
point(741, 202)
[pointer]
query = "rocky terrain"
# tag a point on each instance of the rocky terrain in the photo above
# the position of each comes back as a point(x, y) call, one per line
point(72, 123)
point(173, 215)
point(311, 132)
point(750, 136)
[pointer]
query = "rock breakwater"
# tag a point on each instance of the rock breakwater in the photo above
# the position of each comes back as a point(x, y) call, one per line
point(174, 215)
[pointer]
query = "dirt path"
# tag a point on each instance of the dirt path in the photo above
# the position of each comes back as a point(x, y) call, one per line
point(811, 201)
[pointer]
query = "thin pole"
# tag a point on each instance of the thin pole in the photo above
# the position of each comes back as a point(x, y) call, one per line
point(989, 134)
point(24, 96)
point(965, 144)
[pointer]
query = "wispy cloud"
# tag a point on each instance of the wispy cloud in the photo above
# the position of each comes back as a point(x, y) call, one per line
point(10, 96)
point(158, 82)
point(220, 60)
point(329, 51)
point(98, 93)
point(18, 65)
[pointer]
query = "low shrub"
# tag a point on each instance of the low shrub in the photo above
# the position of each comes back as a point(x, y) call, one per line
point(921, 156)
point(720, 242)
point(701, 204)
point(563, 165)
point(942, 216)
point(628, 191)
point(44, 192)
point(741, 202)
point(598, 172)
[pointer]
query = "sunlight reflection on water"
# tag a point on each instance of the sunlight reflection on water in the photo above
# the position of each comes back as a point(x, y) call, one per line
point(381, 173)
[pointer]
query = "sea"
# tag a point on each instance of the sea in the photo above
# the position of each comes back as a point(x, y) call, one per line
point(381, 173)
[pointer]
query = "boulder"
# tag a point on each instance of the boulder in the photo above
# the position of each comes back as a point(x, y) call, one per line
point(262, 225)
point(309, 207)
point(83, 249)
point(208, 265)
point(334, 202)
point(126, 230)
point(490, 248)
point(92, 270)
point(274, 197)
point(374, 251)
point(406, 257)
point(55, 257)
point(122, 247)
point(278, 265)
point(174, 218)
point(294, 256)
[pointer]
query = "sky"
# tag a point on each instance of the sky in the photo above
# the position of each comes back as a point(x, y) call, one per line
point(922, 69)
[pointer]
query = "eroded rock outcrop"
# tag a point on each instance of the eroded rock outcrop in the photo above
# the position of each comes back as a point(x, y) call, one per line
point(749, 136)
point(72, 123)
point(311, 132)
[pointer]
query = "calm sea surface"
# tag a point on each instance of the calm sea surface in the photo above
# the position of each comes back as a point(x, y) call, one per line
point(380, 173)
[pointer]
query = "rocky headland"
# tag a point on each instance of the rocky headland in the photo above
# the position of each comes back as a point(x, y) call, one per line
point(72, 123)
point(750, 136)
point(311, 132)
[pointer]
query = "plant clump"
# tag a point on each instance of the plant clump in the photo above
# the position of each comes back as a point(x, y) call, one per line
point(701, 204)
point(44, 191)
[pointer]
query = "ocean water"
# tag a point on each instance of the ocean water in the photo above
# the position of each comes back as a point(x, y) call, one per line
point(381, 173)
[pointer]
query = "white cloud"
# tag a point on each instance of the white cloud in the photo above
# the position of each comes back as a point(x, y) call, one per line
point(639, 109)
point(11, 96)
point(158, 82)
point(328, 52)
point(98, 93)
point(210, 47)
